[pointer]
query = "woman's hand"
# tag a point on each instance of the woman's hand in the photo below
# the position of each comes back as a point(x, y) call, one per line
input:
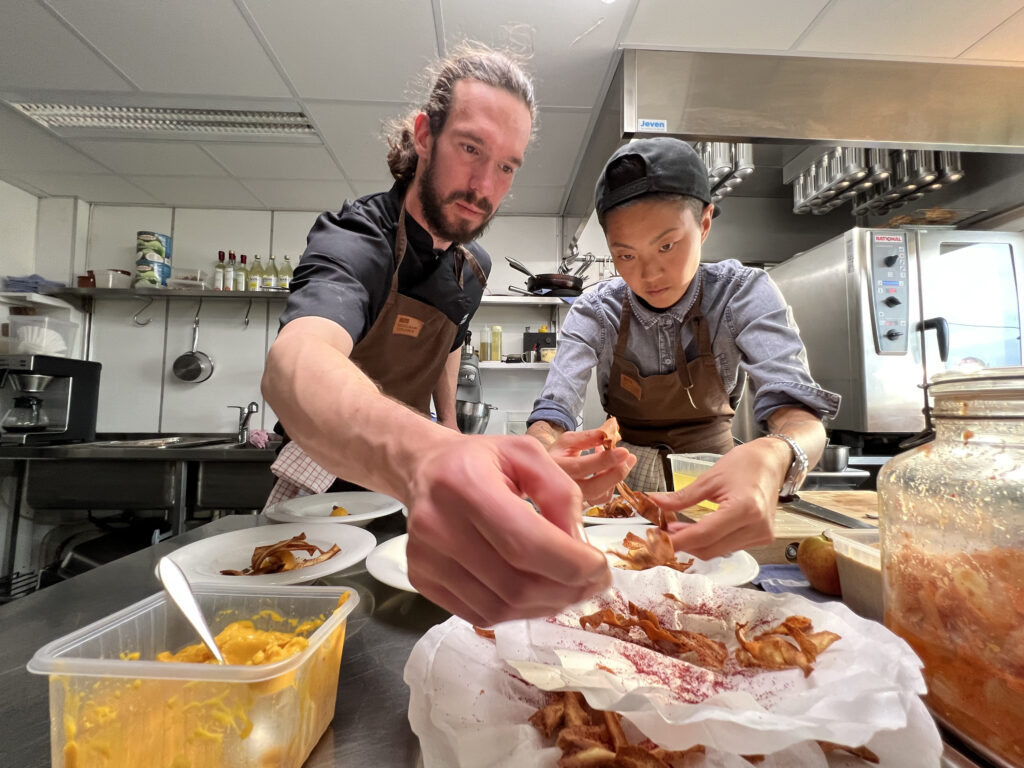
point(745, 484)
point(595, 473)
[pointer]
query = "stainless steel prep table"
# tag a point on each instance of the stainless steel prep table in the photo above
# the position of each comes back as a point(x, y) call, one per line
point(370, 726)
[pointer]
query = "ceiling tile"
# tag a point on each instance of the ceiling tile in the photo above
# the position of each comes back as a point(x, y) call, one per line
point(911, 28)
point(197, 192)
point(351, 39)
point(90, 187)
point(571, 45)
point(355, 134)
point(300, 195)
point(551, 156)
point(30, 147)
point(37, 51)
point(274, 161)
point(188, 46)
point(1004, 43)
point(163, 158)
point(534, 201)
point(722, 25)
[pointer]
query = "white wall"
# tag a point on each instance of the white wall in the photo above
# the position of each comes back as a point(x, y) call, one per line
point(138, 391)
point(18, 213)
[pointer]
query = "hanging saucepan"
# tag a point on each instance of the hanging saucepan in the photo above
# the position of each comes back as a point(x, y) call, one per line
point(194, 366)
point(554, 283)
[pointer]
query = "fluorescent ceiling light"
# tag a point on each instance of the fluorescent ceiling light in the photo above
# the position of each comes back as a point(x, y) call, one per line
point(69, 119)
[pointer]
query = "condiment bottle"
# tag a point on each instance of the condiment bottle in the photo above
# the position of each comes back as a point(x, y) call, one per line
point(254, 281)
point(241, 275)
point(485, 343)
point(270, 275)
point(952, 525)
point(495, 342)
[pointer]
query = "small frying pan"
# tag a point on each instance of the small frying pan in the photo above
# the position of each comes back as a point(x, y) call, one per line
point(554, 282)
point(194, 366)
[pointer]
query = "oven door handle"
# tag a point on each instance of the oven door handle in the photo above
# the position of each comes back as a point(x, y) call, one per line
point(941, 328)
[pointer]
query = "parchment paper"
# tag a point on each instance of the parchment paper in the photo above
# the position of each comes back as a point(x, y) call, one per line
point(471, 697)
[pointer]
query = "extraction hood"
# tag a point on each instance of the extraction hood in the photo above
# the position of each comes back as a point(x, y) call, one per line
point(796, 105)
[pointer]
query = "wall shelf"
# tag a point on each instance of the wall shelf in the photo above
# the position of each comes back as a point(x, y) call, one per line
point(523, 301)
point(499, 365)
point(165, 293)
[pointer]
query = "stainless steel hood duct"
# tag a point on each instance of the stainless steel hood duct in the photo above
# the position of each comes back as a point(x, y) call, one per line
point(801, 100)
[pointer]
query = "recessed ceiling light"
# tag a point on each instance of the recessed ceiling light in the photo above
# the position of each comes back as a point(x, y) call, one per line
point(96, 120)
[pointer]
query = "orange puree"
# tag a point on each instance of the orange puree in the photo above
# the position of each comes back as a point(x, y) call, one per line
point(241, 643)
point(110, 722)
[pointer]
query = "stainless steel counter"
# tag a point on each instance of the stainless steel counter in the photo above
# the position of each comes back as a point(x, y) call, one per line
point(370, 726)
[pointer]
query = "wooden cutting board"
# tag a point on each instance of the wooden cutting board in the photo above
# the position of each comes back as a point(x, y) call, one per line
point(793, 527)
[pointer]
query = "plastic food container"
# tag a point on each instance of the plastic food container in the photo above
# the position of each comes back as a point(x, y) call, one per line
point(43, 335)
point(106, 710)
point(188, 278)
point(113, 278)
point(859, 558)
point(686, 467)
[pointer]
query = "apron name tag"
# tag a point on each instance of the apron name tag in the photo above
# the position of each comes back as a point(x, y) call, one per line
point(406, 325)
point(631, 385)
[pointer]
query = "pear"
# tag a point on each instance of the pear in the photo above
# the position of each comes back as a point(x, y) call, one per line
point(816, 557)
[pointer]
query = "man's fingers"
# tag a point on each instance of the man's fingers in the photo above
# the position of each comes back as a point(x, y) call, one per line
point(579, 467)
point(716, 535)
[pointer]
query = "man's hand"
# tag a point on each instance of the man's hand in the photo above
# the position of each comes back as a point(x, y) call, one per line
point(479, 549)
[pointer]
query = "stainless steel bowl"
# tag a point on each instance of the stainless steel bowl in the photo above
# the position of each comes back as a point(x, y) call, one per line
point(473, 417)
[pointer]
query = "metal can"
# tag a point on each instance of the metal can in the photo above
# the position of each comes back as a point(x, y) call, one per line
point(152, 259)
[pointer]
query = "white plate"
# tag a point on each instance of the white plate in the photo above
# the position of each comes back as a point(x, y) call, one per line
point(387, 563)
point(203, 561)
point(362, 506)
point(635, 519)
point(729, 571)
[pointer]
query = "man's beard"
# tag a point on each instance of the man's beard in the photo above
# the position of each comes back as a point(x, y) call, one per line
point(433, 210)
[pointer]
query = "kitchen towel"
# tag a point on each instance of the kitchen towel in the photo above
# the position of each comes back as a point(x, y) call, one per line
point(297, 475)
point(788, 578)
point(30, 284)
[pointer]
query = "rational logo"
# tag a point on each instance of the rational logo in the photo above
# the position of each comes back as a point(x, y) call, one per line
point(659, 126)
point(888, 238)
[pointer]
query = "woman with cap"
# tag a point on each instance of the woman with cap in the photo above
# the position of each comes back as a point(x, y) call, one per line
point(669, 339)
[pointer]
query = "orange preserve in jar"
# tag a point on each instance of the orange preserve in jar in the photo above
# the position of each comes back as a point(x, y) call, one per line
point(952, 522)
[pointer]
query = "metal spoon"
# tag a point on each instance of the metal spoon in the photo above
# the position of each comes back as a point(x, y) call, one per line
point(178, 588)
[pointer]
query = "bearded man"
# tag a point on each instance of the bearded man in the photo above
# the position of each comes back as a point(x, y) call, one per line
point(380, 304)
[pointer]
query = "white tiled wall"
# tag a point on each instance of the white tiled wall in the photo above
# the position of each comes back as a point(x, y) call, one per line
point(138, 391)
point(237, 352)
point(18, 211)
point(132, 356)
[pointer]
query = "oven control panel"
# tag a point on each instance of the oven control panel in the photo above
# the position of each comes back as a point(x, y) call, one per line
point(890, 295)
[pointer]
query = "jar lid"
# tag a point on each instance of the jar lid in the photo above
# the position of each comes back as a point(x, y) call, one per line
point(1002, 381)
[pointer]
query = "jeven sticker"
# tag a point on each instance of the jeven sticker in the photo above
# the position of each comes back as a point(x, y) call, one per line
point(407, 326)
point(653, 126)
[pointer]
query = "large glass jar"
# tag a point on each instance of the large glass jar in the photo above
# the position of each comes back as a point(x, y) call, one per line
point(952, 520)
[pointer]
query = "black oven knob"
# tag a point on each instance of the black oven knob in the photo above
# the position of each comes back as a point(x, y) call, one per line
point(891, 301)
point(890, 260)
point(893, 334)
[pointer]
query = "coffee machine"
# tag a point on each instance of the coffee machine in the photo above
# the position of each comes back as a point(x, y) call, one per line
point(46, 400)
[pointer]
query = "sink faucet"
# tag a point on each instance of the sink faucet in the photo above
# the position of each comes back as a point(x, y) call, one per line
point(245, 413)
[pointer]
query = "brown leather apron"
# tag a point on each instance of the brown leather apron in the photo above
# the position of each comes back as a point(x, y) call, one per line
point(686, 411)
point(406, 348)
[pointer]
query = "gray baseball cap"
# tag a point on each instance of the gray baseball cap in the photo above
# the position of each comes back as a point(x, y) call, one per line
point(670, 165)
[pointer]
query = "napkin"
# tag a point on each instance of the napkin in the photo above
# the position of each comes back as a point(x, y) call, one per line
point(470, 698)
